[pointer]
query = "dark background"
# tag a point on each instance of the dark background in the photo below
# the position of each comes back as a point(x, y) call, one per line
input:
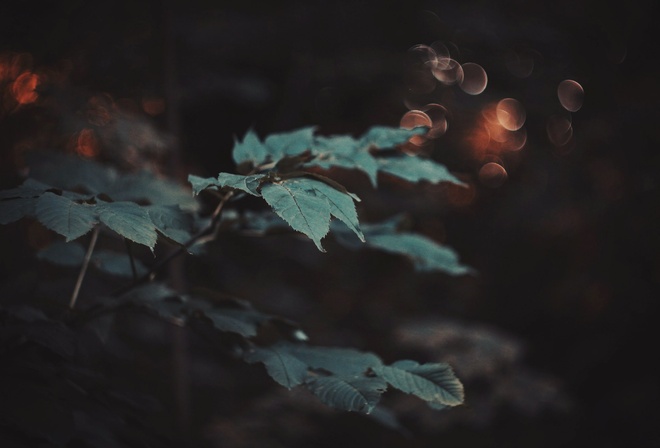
point(566, 249)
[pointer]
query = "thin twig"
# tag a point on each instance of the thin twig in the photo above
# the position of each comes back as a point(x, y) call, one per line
point(83, 269)
point(129, 249)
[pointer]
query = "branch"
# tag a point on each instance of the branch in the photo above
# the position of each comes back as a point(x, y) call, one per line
point(83, 269)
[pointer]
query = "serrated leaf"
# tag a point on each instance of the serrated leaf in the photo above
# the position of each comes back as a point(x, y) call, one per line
point(247, 184)
point(29, 189)
point(201, 183)
point(12, 210)
point(284, 368)
point(340, 361)
point(382, 137)
point(63, 254)
point(251, 149)
point(297, 203)
point(415, 169)
point(426, 254)
point(116, 263)
point(172, 222)
point(342, 206)
point(433, 382)
point(356, 393)
point(290, 143)
point(64, 216)
point(343, 152)
point(130, 221)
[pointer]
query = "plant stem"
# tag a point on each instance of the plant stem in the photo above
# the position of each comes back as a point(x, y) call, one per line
point(83, 269)
point(129, 249)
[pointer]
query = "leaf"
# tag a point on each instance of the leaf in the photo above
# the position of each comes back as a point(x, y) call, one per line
point(342, 206)
point(290, 143)
point(251, 149)
point(297, 203)
point(357, 393)
point(63, 254)
point(382, 137)
point(284, 368)
point(200, 183)
point(340, 361)
point(433, 382)
point(344, 152)
point(130, 221)
point(71, 172)
point(64, 216)
point(242, 322)
point(415, 169)
point(426, 254)
point(145, 186)
point(247, 184)
point(171, 221)
point(116, 263)
point(29, 189)
point(12, 210)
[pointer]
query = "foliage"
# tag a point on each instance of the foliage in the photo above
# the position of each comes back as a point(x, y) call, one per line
point(73, 197)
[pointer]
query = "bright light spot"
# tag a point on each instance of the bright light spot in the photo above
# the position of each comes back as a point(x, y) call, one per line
point(492, 175)
point(474, 79)
point(559, 129)
point(448, 71)
point(571, 95)
point(24, 88)
point(413, 119)
point(510, 114)
point(438, 115)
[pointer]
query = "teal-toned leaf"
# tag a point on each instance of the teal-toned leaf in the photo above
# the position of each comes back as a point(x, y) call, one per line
point(296, 201)
point(130, 221)
point(435, 383)
point(70, 172)
point(251, 149)
point(290, 143)
point(172, 222)
point(355, 393)
point(248, 184)
point(201, 183)
point(342, 206)
point(63, 254)
point(343, 152)
point(145, 186)
point(340, 361)
point(383, 137)
point(244, 322)
point(284, 368)
point(64, 216)
point(416, 169)
point(115, 263)
point(12, 210)
point(426, 254)
point(29, 189)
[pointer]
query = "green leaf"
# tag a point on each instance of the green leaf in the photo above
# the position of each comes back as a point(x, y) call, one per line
point(116, 263)
point(356, 393)
point(433, 382)
point(130, 221)
point(415, 169)
point(248, 184)
point(340, 361)
point(172, 222)
point(382, 137)
point(145, 186)
point(200, 183)
point(290, 143)
point(426, 254)
point(296, 201)
point(64, 216)
point(63, 254)
point(344, 152)
point(251, 149)
point(29, 189)
point(342, 206)
point(12, 210)
point(284, 368)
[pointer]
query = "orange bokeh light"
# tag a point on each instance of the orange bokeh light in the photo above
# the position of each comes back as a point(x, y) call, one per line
point(24, 88)
point(87, 145)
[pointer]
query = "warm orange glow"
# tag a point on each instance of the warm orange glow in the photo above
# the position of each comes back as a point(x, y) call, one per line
point(413, 119)
point(24, 87)
point(153, 106)
point(87, 145)
point(100, 110)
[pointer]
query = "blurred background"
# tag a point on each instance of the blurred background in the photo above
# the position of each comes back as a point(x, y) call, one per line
point(548, 111)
